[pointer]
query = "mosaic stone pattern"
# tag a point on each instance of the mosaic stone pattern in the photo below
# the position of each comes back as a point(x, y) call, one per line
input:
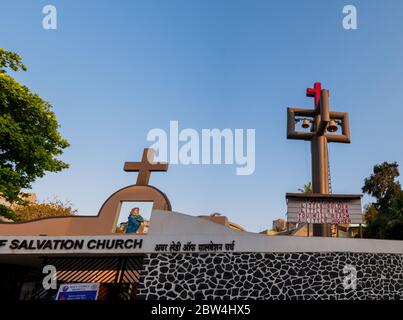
point(272, 276)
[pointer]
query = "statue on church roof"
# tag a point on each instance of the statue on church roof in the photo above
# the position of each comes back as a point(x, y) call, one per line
point(134, 221)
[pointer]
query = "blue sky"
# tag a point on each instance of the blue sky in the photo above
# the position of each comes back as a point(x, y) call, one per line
point(115, 70)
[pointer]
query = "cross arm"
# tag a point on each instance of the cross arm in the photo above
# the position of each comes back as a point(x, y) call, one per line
point(344, 137)
point(159, 166)
point(291, 114)
point(138, 166)
point(132, 166)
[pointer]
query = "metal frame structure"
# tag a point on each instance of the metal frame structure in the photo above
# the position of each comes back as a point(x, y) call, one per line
point(320, 119)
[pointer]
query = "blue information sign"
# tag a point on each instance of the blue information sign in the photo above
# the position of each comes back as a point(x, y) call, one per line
point(78, 291)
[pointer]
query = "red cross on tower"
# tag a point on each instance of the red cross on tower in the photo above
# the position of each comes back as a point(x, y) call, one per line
point(314, 92)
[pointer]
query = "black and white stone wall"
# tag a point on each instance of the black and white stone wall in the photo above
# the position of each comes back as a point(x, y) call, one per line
point(272, 276)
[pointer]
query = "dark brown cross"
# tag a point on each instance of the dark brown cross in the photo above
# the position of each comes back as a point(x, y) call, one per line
point(145, 167)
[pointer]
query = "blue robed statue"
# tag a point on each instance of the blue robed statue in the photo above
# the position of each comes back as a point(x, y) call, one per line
point(134, 221)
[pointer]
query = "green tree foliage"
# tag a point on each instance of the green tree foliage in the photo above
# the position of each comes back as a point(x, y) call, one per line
point(384, 217)
point(307, 188)
point(7, 213)
point(29, 138)
point(383, 184)
point(370, 213)
point(54, 208)
point(10, 60)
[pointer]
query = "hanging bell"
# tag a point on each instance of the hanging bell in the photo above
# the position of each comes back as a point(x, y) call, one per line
point(332, 126)
point(305, 124)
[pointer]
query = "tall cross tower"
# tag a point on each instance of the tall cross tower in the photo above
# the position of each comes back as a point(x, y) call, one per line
point(321, 126)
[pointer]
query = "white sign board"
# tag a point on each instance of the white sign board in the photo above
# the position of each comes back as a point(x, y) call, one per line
point(78, 291)
point(332, 209)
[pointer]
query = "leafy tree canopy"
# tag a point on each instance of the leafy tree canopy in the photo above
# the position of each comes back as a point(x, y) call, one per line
point(29, 138)
point(383, 184)
point(10, 60)
point(38, 210)
point(385, 216)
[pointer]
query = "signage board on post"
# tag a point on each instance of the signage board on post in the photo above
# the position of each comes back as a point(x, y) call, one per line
point(78, 291)
point(319, 208)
